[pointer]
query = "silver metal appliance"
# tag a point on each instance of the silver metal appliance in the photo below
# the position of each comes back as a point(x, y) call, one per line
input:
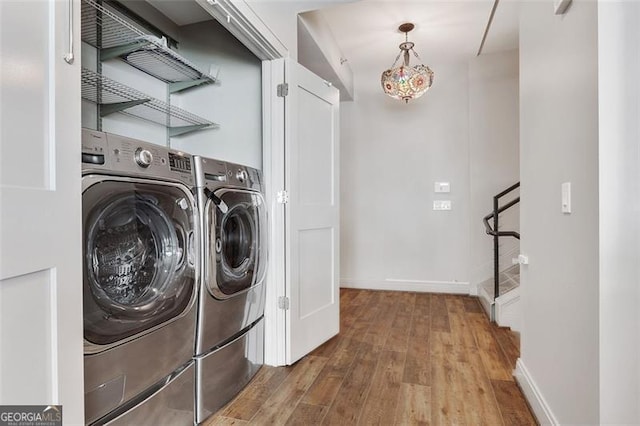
point(230, 329)
point(140, 278)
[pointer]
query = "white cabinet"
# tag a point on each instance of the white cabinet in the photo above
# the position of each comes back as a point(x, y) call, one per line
point(41, 242)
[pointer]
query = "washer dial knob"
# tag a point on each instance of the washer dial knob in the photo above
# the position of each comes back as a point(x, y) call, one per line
point(144, 158)
point(241, 175)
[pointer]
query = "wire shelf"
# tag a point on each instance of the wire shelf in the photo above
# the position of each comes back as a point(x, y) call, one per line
point(115, 36)
point(116, 97)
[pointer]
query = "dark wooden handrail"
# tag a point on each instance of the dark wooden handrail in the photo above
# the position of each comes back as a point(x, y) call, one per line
point(497, 234)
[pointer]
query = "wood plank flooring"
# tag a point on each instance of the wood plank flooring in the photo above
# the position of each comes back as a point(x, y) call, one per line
point(400, 358)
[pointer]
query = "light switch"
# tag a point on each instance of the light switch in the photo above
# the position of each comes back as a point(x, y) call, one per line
point(560, 6)
point(442, 204)
point(442, 187)
point(566, 198)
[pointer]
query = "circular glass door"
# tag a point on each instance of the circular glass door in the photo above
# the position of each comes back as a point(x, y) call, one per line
point(136, 270)
point(237, 246)
point(131, 247)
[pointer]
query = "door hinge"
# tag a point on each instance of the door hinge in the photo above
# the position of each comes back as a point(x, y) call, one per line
point(283, 197)
point(283, 303)
point(283, 90)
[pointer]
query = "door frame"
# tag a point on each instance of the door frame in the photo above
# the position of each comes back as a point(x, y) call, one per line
point(241, 21)
point(273, 154)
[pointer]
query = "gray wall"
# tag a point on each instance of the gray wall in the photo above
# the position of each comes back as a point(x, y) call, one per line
point(391, 155)
point(559, 143)
point(494, 156)
point(235, 104)
point(464, 130)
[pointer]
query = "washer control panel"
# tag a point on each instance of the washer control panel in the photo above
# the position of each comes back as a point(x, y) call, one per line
point(114, 154)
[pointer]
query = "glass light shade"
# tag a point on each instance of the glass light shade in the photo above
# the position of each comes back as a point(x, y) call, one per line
point(407, 82)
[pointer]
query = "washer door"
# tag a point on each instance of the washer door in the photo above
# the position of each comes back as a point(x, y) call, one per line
point(138, 257)
point(237, 246)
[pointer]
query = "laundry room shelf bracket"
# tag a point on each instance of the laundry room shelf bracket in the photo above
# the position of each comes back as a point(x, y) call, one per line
point(107, 109)
point(122, 50)
point(183, 130)
point(113, 97)
point(179, 86)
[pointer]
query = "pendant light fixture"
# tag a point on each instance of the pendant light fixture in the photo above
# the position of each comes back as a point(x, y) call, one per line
point(406, 82)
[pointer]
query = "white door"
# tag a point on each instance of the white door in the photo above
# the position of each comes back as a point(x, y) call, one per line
point(40, 207)
point(312, 215)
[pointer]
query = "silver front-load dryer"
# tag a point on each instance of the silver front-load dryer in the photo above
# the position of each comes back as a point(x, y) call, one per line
point(230, 336)
point(140, 280)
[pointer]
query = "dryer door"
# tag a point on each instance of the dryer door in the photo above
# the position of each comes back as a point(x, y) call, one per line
point(237, 245)
point(138, 257)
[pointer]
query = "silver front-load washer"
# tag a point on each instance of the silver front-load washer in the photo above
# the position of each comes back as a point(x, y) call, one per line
point(230, 330)
point(140, 256)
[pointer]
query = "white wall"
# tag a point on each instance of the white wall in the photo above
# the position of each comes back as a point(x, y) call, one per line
point(281, 16)
point(391, 155)
point(494, 156)
point(559, 143)
point(463, 131)
point(619, 133)
point(318, 51)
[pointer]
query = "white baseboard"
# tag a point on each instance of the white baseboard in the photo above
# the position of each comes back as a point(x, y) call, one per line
point(452, 287)
point(538, 404)
point(473, 289)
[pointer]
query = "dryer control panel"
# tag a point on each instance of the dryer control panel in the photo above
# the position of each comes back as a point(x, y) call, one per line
point(113, 154)
point(213, 174)
point(243, 176)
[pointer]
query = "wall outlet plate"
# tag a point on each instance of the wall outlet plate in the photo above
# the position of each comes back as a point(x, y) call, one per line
point(566, 198)
point(442, 204)
point(442, 187)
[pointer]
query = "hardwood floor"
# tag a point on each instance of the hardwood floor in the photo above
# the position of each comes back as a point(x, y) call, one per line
point(400, 358)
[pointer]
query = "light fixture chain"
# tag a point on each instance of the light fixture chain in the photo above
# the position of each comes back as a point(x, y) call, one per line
point(416, 54)
point(396, 61)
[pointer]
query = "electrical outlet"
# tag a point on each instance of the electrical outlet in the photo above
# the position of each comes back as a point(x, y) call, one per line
point(442, 204)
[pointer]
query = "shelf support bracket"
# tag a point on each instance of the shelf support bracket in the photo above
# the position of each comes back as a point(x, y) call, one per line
point(106, 109)
point(118, 51)
point(181, 130)
point(179, 86)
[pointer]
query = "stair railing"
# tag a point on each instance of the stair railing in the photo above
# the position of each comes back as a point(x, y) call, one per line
point(497, 234)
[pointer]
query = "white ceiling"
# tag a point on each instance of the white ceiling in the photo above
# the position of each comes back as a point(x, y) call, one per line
point(446, 30)
point(367, 30)
point(181, 13)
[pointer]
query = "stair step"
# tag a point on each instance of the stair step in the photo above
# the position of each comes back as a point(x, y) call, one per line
point(503, 310)
point(509, 279)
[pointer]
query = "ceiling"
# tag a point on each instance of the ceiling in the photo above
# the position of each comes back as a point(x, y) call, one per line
point(366, 31)
point(445, 30)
